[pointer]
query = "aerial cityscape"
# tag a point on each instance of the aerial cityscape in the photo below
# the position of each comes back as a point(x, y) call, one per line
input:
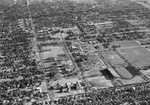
point(74, 52)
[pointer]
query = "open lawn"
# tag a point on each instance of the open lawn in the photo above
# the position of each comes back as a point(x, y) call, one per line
point(138, 56)
point(113, 58)
point(92, 72)
point(53, 51)
point(99, 82)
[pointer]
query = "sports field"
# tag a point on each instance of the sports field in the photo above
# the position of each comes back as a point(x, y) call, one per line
point(118, 64)
point(124, 73)
point(138, 56)
point(136, 79)
point(113, 58)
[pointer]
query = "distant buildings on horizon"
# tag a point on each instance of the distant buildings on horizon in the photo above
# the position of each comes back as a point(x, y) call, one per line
point(22, 2)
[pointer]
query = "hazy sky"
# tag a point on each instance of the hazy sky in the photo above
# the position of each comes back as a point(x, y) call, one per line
point(10, 2)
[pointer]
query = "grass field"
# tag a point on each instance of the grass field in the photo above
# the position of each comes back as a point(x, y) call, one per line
point(99, 82)
point(113, 58)
point(92, 72)
point(53, 53)
point(138, 56)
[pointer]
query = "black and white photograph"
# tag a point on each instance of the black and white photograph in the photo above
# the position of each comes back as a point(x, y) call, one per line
point(74, 52)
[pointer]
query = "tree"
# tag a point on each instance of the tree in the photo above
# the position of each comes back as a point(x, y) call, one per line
point(52, 73)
